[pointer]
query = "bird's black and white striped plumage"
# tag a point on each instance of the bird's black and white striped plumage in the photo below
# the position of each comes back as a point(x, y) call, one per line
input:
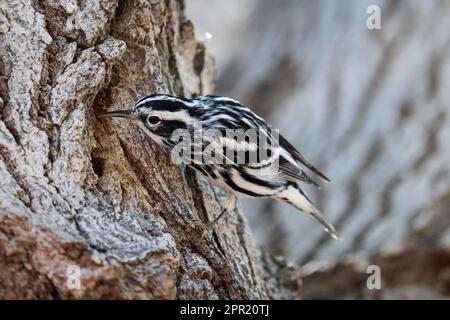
point(275, 173)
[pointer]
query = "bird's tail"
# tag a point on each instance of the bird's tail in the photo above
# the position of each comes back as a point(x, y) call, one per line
point(295, 196)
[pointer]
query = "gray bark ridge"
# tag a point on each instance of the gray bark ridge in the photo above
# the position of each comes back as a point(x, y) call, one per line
point(98, 195)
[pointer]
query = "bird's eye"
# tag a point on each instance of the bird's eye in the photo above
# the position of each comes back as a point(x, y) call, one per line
point(153, 120)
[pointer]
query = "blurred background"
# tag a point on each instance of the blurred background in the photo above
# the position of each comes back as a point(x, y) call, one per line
point(369, 107)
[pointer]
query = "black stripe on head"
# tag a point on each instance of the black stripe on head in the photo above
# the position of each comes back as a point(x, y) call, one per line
point(164, 105)
point(167, 127)
point(155, 96)
point(172, 104)
point(174, 124)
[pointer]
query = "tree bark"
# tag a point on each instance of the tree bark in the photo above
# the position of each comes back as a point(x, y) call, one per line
point(77, 192)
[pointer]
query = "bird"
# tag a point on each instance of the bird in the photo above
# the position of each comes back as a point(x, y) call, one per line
point(261, 165)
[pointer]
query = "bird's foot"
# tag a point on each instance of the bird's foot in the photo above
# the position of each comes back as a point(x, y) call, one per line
point(208, 228)
point(195, 223)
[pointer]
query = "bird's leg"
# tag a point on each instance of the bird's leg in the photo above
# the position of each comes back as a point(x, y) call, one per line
point(230, 205)
point(195, 223)
point(210, 224)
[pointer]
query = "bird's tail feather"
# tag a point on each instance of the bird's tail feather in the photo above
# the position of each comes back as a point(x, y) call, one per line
point(296, 197)
point(316, 214)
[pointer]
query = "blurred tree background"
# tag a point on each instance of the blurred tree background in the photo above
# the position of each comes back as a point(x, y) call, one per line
point(369, 107)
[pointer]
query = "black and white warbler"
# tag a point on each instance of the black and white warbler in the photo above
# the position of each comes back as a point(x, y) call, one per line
point(275, 173)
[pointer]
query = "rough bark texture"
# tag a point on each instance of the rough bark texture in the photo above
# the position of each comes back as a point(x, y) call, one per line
point(98, 194)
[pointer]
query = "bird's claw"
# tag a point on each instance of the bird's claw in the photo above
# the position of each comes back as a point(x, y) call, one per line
point(207, 227)
point(195, 223)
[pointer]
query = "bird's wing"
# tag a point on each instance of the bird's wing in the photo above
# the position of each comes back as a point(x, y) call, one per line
point(271, 158)
point(232, 115)
point(282, 163)
point(291, 172)
point(286, 145)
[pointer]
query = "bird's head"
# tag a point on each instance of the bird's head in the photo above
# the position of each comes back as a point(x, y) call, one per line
point(159, 115)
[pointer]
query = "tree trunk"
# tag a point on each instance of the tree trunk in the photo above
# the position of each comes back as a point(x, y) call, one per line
point(95, 198)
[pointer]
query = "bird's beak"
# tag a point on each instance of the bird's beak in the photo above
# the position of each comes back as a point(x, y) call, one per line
point(118, 114)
